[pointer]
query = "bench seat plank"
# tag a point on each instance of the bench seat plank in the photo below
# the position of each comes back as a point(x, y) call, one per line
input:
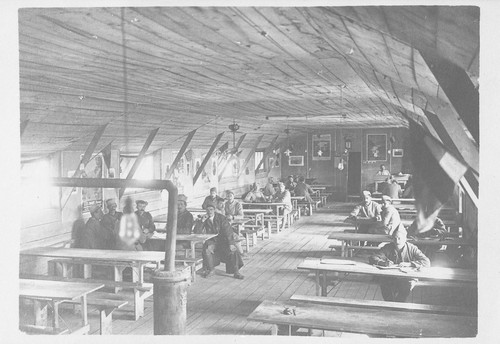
point(401, 306)
point(365, 320)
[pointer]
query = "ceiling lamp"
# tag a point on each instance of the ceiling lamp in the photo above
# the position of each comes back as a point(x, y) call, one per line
point(289, 149)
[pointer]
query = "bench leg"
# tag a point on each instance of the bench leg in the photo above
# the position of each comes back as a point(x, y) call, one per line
point(323, 285)
point(106, 320)
point(118, 270)
point(87, 271)
point(269, 229)
point(254, 239)
point(318, 285)
point(139, 297)
point(40, 309)
point(274, 330)
point(247, 242)
point(83, 304)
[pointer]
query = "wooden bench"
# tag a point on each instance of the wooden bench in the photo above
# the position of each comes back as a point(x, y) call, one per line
point(34, 329)
point(141, 290)
point(364, 320)
point(106, 308)
point(192, 263)
point(277, 220)
point(401, 306)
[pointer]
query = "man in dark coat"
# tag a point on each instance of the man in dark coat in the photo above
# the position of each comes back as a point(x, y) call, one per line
point(146, 223)
point(404, 255)
point(109, 223)
point(302, 189)
point(185, 220)
point(213, 198)
point(92, 232)
point(222, 248)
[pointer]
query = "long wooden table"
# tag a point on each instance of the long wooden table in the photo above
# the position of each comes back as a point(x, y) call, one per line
point(346, 238)
point(158, 241)
point(276, 205)
point(52, 293)
point(363, 320)
point(432, 273)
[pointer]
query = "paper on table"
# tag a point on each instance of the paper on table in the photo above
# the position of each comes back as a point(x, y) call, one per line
point(337, 261)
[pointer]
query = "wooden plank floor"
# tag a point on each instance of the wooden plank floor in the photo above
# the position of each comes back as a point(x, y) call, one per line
point(221, 304)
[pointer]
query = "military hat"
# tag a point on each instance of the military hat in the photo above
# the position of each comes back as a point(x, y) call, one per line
point(141, 202)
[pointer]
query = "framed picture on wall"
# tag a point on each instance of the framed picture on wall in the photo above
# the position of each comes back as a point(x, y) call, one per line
point(376, 147)
point(322, 147)
point(296, 160)
point(397, 153)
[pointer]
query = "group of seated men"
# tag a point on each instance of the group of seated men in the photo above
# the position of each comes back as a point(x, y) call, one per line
point(101, 231)
point(391, 187)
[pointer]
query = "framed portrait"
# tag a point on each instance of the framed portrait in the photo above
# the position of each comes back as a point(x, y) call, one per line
point(296, 160)
point(322, 147)
point(397, 153)
point(376, 147)
point(93, 169)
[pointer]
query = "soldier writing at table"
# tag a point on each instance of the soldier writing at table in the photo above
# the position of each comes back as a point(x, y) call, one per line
point(403, 255)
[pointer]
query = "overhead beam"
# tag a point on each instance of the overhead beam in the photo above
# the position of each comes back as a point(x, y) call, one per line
point(180, 154)
point(461, 92)
point(85, 159)
point(266, 152)
point(222, 149)
point(252, 152)
point(233, 150)
point(207, 157)
point(140, 157)
point(449, 120)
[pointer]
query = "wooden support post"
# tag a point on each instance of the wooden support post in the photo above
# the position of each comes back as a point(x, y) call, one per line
point(207, 157)
point(251, 153)
point(140, 157)
point(180, 154)
point(266, 152)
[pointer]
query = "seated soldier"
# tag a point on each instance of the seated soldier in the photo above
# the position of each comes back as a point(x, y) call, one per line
point(290, 184)
point(269, 190)
point(438, 230)
point(404, 255)
point(232, 208)
point(254, 195)
point(222, 248)
point(109, 221)
point(390, 216)
point(212, 198)
point(185, 220)
point(283, 196)
point(146, 223)
point(368, 209)
point(302, 189)
point(392, 188)
point(383, 171)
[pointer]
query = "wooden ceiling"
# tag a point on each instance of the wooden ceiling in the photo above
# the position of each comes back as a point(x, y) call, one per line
point(182, 68)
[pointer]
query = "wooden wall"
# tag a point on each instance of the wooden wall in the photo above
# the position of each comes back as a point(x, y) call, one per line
point(326, 171)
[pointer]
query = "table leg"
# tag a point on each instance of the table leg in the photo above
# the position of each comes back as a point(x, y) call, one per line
point(318, 286)
point(83, 303)
point(55, 319)
point(118, 272)
point(323, 285)
point(274, 330)
point(193, 249)
point(138, 273)
point(87, 271)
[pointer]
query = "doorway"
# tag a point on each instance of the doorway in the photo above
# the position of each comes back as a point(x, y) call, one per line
point(354, 174)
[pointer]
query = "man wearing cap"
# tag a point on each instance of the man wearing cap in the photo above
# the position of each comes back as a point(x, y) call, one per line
point(110, 222)
point(222, 248)
point(368, 209)
point(254, 195)
point(383, 171)
point(212, 198)
point(404, 255)
point(185, 220)
point(93, 233)
point(232, 208)
point(390, 216)
point(146, 224)
point(283, 196)
point(392, 188)
point(269, 190)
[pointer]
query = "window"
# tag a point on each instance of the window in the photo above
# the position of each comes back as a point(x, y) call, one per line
point(258, 158)
point(35, 192)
